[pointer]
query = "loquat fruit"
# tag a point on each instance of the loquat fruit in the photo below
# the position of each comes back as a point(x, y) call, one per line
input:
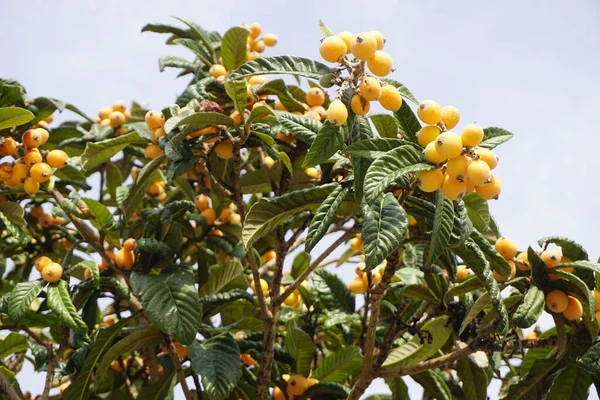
point(524, 264)
point(472, 135)
point(119, 106)
point(380, 39)
point(154, 119)
point(453, 189)
point(315, 97)
point(359, 105)
point(456, 167)
point(129, 244)
point(125, 259)
point(224, 149)
point(202, 202)
point(57, 159)
point(380, 63)
point(8, 147)
point(513, 272)
point(450, 116)
point(488, 156)
point(268, 256)
point(431, 155)
point(506, 247)
point(428, 134)
point(270, 39)
point(40, 172)
point(117, 118)
point(104, 112)
point(210, 215)
point(596, 295)
point(45, 220)
point(557, 301)
point(491, 190)
point(462, 271)
point(574, 310)
point(429, 112)
point(333, 48)
point(52, 272)
point(152, 151)
point(269, 162)
point(551, 257)
point(358, 285)
point(370, 89)
point(43, 261)
point(32, 138)
point(448, 145)
point(33, 156)
point(479, 172)
point(363, 46)
point(255, 30)
point(431, 180)
point(31, 186)
point(390, 98)
point(337, 113)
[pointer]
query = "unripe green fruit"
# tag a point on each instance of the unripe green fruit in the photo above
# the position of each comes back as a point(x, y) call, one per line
point(448, 145)
point(431, 155)
point(430, 181)
point(428, 134)
point(337, 113)
point(325, 81)
point(453, 189)
point(456, 167)
point(429, 112)
point(479, 172)
point(472, 135)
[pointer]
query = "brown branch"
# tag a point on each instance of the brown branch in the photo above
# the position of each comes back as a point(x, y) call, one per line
point(7, 388)
point(49, 374)
point(177, 365)
point(290, 289)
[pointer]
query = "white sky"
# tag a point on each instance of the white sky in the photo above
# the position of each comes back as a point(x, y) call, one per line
point(529, 67)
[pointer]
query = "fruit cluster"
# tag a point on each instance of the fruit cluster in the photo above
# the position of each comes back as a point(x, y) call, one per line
point(28, 167)
point(50, 270)
point(367, 51)
point(360, 283)
point(461, 166)
point(114, 117)
point(295, 385)
point(155, 121)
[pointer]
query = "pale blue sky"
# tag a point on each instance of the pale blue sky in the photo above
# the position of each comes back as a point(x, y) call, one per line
point(529, 67)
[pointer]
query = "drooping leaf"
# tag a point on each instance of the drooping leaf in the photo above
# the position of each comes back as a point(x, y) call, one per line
point(339, 365)
point(433, 384)
point(233, 47)
point(478, 211)
point(324, 216)
point(442, 227)
point(497, 262)
point(170, 301)
point(390, 167)
point(385, 224)
point(325, 390)
point(175, 62)
point(474, 379)
point(373, 148)
point(13, 343)
point(137, 191)
point(300, 346)
point(59, 301)
point(569, 248)
point(333, 292)
point(302, 128)
point(409, 123)
point(329, 140)
point(386, 125)
point(282, 65)
point(529, 312)
point(268, 213)
point(98, 153)
point(493, 137)
point(220, 277)
point(532, 385)
point(21, 297)
point(572, 383)
point(237, 90)
point(14, 116)
point(217, 361)
point(277, 87)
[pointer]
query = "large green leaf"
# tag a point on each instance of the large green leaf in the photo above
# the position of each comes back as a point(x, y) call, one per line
point(170, 301)
point(197, 121)
point(574, 285)
point(302, 128)
point(474, 380)
point(103, 220)
point(384, 226)
point(573, 383)
point(282, 65)
point(147, 337)
point(138, 188)
point(163, 28)
point(479, 305)
point(478, 211)
point(79, 389)
point(409, 123)
point(22, 296)
point(268, 213)
point(277, 87)
point(373, 148)
point(13, 343)
point(534, 383)
point(569, 248)
point(217, 361)
point(300, 346)
point(196, 48)
point(14, 116)
point(413, 352)
point(324, 216)
point(474, 258)
point(164, 389)
point(339, 365)
point(529, 312)
point(233, 47)
point(433, 384)
point(390, 167)
point(175, 62)
point(497, 262)
point(221, 276)
point(333, 292)
point(329, 140)
point(325, 390)
point(386, 125)
point(493, 137)
point(11, 214)
point(237, 90)
point(59, 301)
point(443, 222)
point(98, 153)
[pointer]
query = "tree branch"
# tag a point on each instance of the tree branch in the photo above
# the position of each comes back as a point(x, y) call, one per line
point(7, 388)
point(177, 365)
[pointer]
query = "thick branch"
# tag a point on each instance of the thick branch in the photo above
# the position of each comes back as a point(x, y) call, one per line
point(7, 388)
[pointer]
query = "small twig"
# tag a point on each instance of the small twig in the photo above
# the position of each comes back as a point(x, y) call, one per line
point(177, 365)
point(198, 386)
point(49, 374)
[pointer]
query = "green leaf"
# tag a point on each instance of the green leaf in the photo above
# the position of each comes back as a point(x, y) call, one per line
point(138, 188)
point(59, 301)
point(497, 262)
point(196, 48)
point(578, 288)
point(103, 220)
point(384, 226)
point(389, 168)
point(479, 305)
point(217, 361)
point(493, 137)
point(79, 389)
point(302, 128)
point(170, 301)
point(233, 47)
point(539, 272)
point(373, 148)
point(533, 385)
point(14, 116)
point(203, 37)
point(339, 365)
point(199, 120)
point(328, 141)
point(590, 360)
point(221, 276)
point(460, 288)
point(569, 248)
point(175, 62)
point(22, 296)
point(474, 380)
point(98, 153)
point(333, 292)
point(474, 258)
point(161, 390)
point(402, 89)
point(442, 227)
point(237, 90)
point(572, 383)
point(409, 123)
point(13, 343)
point(162, 28)
point(282, 65)
point(386, 125)
point(277, 87)
point(147, 337)
point(14, 213)
point(433, 384)
point(413, 352)
point(529, 312)
point(325, 390)
point(266, 214)
point(324, 216)
point(301, 262)
point(478, 211)
point(300, 346)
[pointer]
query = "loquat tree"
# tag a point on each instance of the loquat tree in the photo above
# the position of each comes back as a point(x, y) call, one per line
point(201, 242)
